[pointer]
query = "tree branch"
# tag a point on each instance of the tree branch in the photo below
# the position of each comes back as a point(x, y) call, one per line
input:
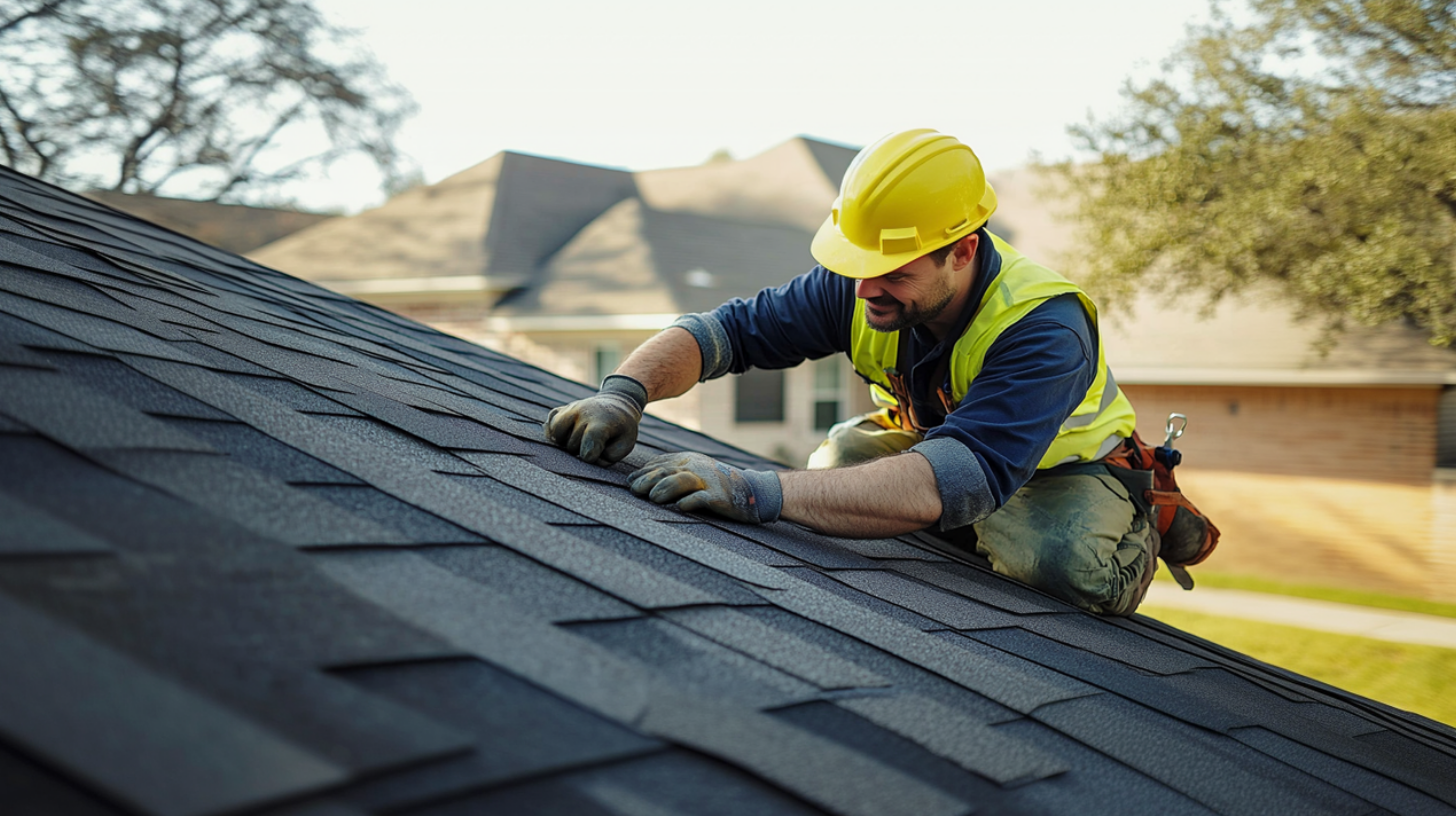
point(22, 129)
point(187, 93)
point(132, 157)
point(1448, 198)
point(44, 10)
point(241, 167)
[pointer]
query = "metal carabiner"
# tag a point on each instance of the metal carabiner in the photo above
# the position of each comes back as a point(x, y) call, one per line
point(1174, 430)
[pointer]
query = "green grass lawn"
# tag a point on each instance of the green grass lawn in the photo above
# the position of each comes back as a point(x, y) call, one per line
point(1416, 678)
point(1319, 593)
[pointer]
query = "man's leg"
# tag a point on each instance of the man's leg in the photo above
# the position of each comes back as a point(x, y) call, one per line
point(861, 439)
point(1076, 536)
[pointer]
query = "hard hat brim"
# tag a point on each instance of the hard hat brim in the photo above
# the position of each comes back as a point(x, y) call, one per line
point(837, 254)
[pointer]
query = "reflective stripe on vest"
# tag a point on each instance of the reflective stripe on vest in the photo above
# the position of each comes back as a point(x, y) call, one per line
point(1109, 394)
point(1022, 285)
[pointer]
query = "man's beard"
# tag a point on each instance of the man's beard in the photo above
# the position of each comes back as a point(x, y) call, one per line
point(907, 316)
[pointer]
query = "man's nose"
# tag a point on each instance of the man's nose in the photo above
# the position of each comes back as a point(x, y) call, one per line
point(867, 288)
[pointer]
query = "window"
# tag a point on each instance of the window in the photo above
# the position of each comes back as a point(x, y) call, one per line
point(605, 360)
point(828, 392)
point(759, 396)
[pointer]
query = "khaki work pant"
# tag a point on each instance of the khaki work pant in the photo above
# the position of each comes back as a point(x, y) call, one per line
point(1075, 533)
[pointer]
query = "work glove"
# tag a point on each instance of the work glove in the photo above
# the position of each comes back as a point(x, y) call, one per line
point(698, 482)
point(602, 427)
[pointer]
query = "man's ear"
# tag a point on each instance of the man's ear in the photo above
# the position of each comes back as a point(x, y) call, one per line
point(965, 251)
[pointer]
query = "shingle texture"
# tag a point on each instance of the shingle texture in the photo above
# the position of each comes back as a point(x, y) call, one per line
point(267, 550)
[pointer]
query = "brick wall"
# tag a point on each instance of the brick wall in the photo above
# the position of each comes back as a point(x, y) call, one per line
point(1327, 486)
point(1370, 434)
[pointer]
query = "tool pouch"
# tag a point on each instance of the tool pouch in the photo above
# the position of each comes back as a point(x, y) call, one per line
point(1188, 536)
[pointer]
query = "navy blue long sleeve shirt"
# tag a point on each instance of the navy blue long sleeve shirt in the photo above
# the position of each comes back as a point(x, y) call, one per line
point(1035, 374)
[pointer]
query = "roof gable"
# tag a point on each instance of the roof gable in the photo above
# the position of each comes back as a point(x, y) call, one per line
point(253, 525)
point(834, 159)
point(690, 239)
point(496, 226)
point(233, 227)
point(540, 204)
point(783, 186)
point(434, 231)
point(633, 260)
point(457, 228)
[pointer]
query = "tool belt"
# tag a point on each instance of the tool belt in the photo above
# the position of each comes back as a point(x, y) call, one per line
point(1188, 536)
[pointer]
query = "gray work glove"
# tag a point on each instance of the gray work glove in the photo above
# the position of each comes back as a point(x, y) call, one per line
point(699, 482)
point(601, 427)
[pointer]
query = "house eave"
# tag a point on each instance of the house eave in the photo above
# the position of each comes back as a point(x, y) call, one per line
point(1350, 377)
point(444, 285)
point(581, 323)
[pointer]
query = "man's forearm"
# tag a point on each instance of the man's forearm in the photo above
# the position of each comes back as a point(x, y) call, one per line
point(884, 497)
point(667, 365)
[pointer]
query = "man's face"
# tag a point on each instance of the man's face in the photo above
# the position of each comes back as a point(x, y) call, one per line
point(909, 296)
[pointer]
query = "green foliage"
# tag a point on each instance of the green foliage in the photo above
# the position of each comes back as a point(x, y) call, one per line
point(1311, 145)
point(194, 95)
point(1414, 678)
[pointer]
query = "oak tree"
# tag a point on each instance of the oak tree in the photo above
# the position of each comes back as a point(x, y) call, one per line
point(1308, 144)
point(217, 99)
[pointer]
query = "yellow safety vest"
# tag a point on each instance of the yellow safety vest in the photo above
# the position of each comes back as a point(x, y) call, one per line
point(1021, 286)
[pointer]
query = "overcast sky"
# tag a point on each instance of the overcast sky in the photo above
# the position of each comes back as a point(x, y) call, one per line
point(643, 84)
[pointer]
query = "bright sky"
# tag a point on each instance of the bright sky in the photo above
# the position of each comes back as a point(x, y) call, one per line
point(643, 84)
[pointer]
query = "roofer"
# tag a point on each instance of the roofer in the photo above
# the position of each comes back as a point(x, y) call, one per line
point(999, 406)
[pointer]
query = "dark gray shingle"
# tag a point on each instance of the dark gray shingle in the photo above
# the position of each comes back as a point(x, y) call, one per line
point(248, 523)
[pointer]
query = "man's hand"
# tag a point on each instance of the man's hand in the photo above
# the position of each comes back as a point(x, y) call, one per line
point(601, 427)
point(698, 482)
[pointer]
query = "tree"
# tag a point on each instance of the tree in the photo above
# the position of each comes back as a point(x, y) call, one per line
point(214, 98)
point(1311, 144)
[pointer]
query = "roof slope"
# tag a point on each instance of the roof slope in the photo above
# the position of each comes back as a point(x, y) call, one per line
point(692, 238)
point(234, 227)
point(268, 550)
point(496, 225)
point(789, 185)
point(638, 261)
point(454, 228)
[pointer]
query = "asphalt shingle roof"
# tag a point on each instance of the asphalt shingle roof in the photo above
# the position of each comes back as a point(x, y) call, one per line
point(453, 228)
point(234, 227)
point(634, 259)
point(265, 549)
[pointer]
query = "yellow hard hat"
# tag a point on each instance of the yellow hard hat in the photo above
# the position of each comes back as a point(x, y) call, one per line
point(902, 197)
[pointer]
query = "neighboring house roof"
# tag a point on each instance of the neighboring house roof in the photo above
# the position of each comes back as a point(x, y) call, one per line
point(493, 227)
point(692, 238)
point(635, 261)
point(269, 550)
point(233, 227)
point(453, 236)
point(790, 185)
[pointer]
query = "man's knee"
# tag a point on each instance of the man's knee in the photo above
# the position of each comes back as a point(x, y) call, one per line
point(1079, 538)
point(1098, 570)
point(859, 440)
